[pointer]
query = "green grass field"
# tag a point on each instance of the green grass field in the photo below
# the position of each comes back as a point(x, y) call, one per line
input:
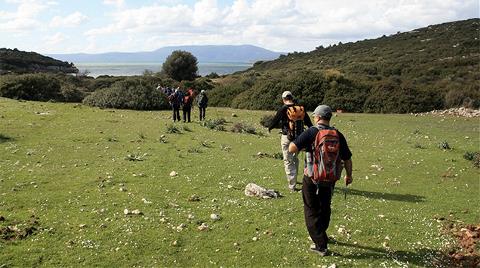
point(64, 172)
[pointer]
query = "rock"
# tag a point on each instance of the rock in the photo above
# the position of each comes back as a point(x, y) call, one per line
point(254, 190)
point(145, 201)
point(214, 217)
point(175, 243)
point(132, 212)
point(137, 212)
point(190, 217)
point(194, 198)
point(82, 225)
point(203, 227)
point(173, 174)
point(255, 238)
point(332, 266)
point(180, 227)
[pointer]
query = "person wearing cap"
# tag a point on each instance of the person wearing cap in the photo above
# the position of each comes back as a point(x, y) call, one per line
point(290, 160)
point(202, 101)
point(317, 198)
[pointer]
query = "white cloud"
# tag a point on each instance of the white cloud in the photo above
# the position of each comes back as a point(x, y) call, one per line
point(55, 39)
point(25, 18)
point(283, 25)
point(71, 20)
point(116, 3)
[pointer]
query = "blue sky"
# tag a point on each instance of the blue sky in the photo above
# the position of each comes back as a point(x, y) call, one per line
point(93, 26)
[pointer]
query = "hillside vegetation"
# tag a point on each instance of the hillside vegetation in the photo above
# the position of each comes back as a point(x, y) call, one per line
point(424, 69)
point(14, 61)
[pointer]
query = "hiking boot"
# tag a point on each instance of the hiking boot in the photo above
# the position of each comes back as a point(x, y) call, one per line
point(322, 252)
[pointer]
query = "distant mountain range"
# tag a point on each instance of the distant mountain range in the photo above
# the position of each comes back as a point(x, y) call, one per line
point(208, 53)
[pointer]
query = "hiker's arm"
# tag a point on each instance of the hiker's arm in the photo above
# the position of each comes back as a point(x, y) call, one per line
point(292, 148)
point(275, 120)
point(348, 168)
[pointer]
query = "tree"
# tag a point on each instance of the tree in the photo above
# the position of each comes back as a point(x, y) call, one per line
point(180, 65)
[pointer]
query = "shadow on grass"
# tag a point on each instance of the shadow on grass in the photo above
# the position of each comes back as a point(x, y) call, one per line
point(423, 257)
point(5, 138)
point(380, 195)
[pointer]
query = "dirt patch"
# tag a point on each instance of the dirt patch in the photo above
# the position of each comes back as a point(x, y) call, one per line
point(466, 252)
point(18, 231)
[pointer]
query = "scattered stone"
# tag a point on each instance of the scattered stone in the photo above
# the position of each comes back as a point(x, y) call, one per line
point(145, 201)
point(82, 225)
point(255, 238)
point(254, 190)
point(175, 243)
point(181, 227)
point(173, 174)
point(215, 217)
point(203, 227)
point(132, 212)
point(458, 112)
point(194, 198)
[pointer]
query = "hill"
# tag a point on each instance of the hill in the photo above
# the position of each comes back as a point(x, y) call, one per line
point(16, 61)
point(241, 53)
point(441, 60)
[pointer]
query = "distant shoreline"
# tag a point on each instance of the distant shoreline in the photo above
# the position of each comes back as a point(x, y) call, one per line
point(96, 69)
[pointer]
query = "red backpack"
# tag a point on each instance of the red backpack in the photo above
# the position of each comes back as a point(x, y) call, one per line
point(326, 161)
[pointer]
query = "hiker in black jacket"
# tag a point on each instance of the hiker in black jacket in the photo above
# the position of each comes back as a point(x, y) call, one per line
point(317, 197)
point(290, 160)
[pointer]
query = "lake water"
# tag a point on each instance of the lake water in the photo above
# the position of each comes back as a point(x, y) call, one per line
point(137, 68)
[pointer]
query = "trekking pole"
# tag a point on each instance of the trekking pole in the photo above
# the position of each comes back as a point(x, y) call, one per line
point(345, 191)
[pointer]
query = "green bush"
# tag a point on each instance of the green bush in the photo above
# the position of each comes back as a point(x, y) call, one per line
point(463, 97)
point(38, 87)
point(136, 93)
point(243, 128)
point(391, 97)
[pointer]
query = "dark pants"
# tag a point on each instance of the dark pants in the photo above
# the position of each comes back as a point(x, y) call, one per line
point(176, 113)
point(202, 112)
point(316, 208)
point(186, 113)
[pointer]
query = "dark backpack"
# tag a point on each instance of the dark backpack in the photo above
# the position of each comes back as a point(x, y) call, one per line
point(295, 115)
point(326, 161)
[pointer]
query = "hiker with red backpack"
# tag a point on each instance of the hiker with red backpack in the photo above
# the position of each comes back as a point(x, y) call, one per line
point(327, 153)
point(187, 105)
point(292, 118)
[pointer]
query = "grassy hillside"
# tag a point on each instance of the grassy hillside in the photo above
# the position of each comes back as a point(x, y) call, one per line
point(14, 61)
point(67, 174)
point(442, 59)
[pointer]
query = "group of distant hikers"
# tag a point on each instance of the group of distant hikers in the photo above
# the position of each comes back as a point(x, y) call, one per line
point(184, 99)
point(326, 154)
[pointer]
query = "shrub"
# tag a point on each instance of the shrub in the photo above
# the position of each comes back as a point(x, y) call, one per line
point(467, 97)
point(133, 93)
point(266, 121)
point(39, 87)
point(243, 128)
point(474, 157)
point(172, 129)
point(71, 93)
point(4, 138)
point(215, 124)
point(444, 145)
